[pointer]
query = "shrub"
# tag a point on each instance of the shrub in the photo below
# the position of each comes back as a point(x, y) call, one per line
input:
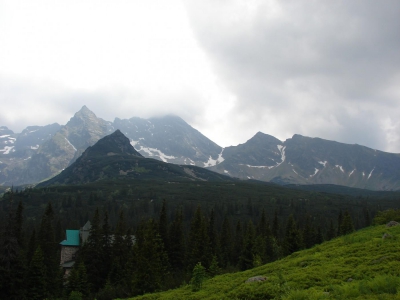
point(198, 276)
point(383, 217)
point(384, 284)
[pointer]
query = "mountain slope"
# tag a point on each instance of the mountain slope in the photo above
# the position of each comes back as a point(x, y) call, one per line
point(361, 265)
point(169, 139)
point(114, 157)
point(17, 150)
point(304, 160)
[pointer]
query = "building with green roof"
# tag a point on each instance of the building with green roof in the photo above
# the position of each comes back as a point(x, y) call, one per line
point(71, 245)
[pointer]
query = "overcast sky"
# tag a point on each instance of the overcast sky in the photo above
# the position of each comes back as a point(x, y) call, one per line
point(328, 69)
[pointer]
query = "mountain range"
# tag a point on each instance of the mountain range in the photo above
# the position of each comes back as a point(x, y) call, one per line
point(41, 152)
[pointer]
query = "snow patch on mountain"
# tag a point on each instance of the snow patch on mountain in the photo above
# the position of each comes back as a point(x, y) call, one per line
point(370, 173)
point(134, 143)
point(4, 136)
point(340, 167)
point(7, 149)
point(315, 172)
point(191, 162)
point(71, 144)
point(220, 158)
point(155, 152)
point(258, 167)
point(323, 163)
point(213, 162)
point(283, 156)
point(351, 173)
point(35, 147)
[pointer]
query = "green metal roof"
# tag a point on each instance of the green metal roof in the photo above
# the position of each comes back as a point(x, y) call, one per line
point(72, 238)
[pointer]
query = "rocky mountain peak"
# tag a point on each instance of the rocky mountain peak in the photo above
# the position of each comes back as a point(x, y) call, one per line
point(113, 144)
point(83, 116)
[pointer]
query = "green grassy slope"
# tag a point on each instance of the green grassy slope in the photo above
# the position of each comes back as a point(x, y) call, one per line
point(362, 265)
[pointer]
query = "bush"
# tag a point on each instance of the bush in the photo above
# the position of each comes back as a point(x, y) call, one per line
point(384, 284)
point(198, 276)
point(74, 295)
point(383, 217)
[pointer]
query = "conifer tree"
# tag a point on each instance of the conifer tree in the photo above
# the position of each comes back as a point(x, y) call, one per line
point(199, 245)
point(37, 276)
point(120, 253)
point(92, 253)
point(247, 253)
point(292, 240)
point(331, 233)
point(275, 226)
point(106, 246)
point(309, 233)
point(150, 259)
point(163, 226)
point(212, 234)
point(238, 242)
point(226, 243)
point(346, 226)
point(77, 280)
point(340, 221)
point(32, 245)
point(177, 243)
point(49, 247)
point(12, 257)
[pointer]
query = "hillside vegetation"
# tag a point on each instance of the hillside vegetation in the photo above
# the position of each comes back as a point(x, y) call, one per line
point(361, 265)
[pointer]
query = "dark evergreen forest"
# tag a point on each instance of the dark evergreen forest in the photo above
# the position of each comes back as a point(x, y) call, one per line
point(149, 236)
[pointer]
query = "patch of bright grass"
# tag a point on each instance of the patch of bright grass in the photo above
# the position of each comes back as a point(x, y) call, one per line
point(361, 265)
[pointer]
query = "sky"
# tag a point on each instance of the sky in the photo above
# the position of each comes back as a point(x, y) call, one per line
point(328, 69)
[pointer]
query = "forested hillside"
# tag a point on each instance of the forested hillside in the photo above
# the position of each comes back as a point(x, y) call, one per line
point(226, 226)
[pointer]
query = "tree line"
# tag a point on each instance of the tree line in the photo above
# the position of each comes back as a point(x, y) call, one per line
point(160, 253)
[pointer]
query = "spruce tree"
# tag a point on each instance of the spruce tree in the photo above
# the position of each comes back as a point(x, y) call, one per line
point(92, 253)
point(163, 226)
point(309, 233)
point(275, 226)
point(238, 246)
point(331, 233)
point(212, 234)
point(36, 281)
point(247, 253)
point(150, 259)
point(199, 246)
point(226, 243)
point(49, 247)
point(120, 253)
point(292, 240)
point(13, 265)
point(346, 226)
point(177, 247)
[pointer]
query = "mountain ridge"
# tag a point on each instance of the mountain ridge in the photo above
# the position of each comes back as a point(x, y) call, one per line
point(297, 160)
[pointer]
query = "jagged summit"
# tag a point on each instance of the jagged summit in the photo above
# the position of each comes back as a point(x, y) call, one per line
point(113, 144)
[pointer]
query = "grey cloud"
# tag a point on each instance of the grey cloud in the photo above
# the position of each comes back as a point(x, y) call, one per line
point(26, 103)
point(341, 56)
